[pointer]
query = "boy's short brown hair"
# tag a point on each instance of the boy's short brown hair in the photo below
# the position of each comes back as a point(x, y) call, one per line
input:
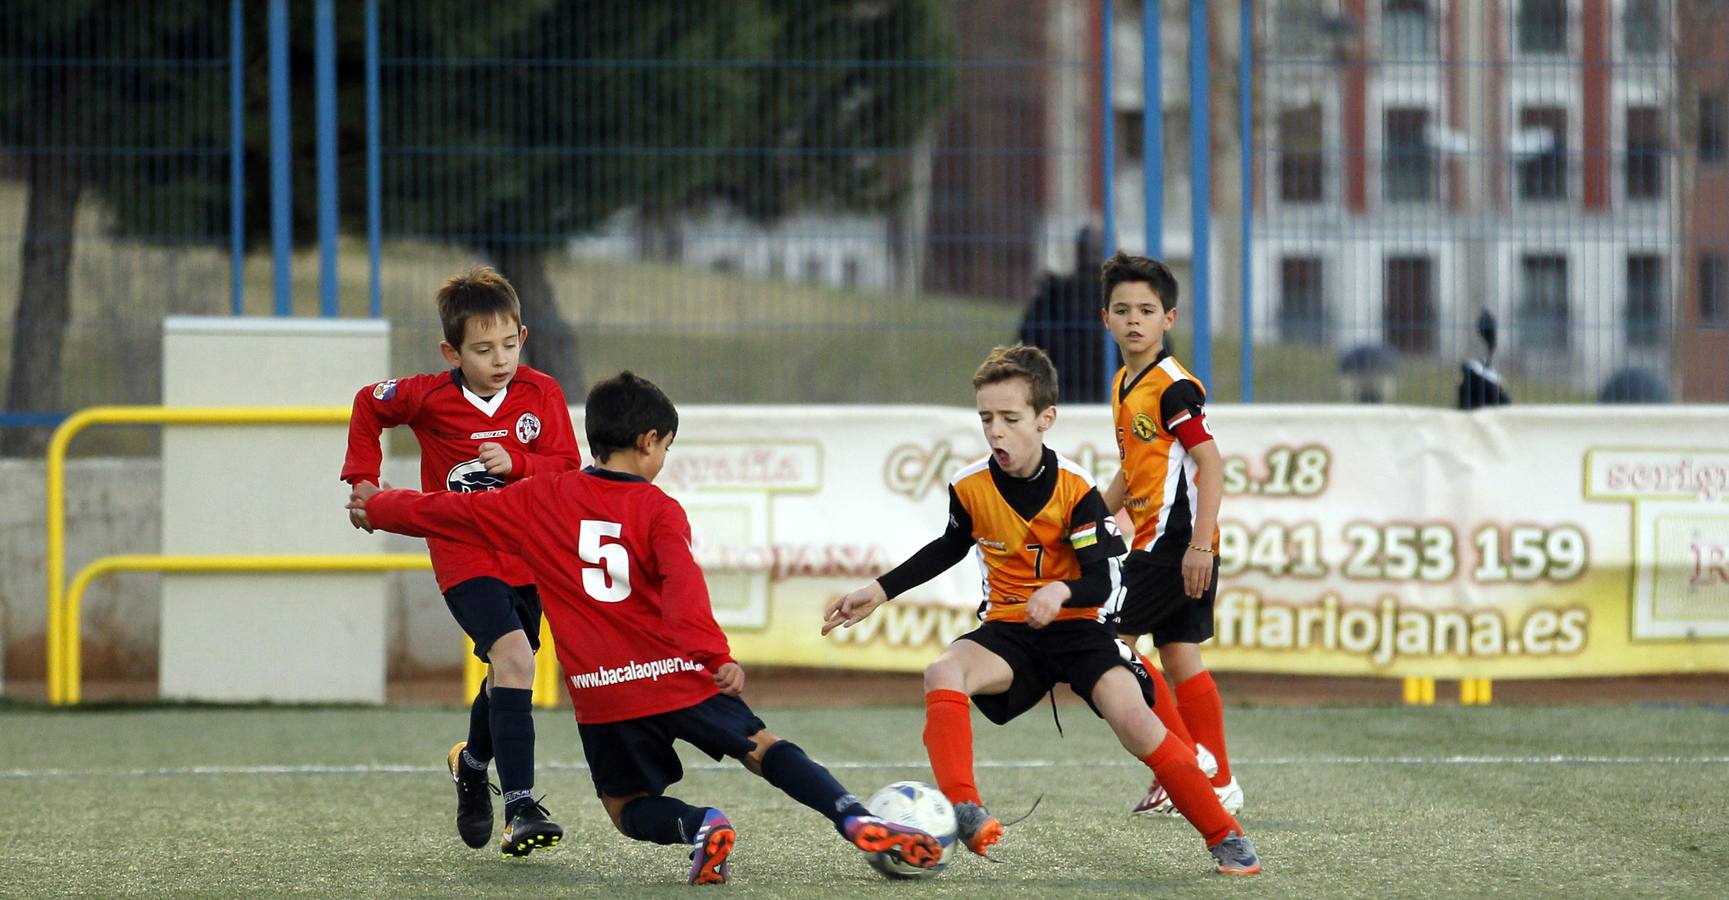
point(1021, 361)
point(1125, 269)
point(479, 293)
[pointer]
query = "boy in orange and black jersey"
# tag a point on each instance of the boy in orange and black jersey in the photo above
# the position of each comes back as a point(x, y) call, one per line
point(1048, 547)
point(1171, 480)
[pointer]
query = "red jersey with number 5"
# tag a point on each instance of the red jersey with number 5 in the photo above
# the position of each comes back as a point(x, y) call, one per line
point(528, 418)
point(610, 552)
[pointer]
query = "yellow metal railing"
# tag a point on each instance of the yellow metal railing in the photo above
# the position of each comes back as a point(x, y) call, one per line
point(64, 602)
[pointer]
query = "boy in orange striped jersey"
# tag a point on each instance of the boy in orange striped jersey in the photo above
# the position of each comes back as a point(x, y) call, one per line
point(1048, 548)
point(1171, 481)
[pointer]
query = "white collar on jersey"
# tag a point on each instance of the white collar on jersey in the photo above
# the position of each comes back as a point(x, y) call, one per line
point(490, 407)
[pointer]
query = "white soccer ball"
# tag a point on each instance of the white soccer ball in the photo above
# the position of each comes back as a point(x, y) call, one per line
point(920, 806)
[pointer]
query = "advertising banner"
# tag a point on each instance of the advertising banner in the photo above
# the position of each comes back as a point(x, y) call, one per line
point(1513, 543)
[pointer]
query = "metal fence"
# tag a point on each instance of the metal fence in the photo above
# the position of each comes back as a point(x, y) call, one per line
point(802, 200)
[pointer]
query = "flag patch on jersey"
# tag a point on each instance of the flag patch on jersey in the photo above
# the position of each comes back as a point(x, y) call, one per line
point(384, 390)
point(1084, 537)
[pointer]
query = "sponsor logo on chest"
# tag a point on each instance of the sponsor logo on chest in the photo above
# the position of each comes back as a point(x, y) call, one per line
point(483, 435)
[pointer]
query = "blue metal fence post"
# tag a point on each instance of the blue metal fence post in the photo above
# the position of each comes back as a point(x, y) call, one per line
point(281, 211)
point(1153, 127)
point(1107, 128)
point(236, 158)
point(374, 213)
point(1108, 162)
point(324, 65)
point(1246, 124)
point(1200, 191)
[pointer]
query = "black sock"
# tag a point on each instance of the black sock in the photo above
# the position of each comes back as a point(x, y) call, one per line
point(479, 729)
point(787, 767)
point(512, 722)
point(661, 820)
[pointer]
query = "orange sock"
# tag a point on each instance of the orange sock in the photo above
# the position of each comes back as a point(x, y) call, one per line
point(1198, 701)
point(949, 741)
point(1165, 704)
point(1180, 775)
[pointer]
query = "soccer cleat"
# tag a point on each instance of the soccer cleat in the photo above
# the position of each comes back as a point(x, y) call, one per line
point(1231, 796)
point(473, 799)
point(529, 830)
point(1236, 855)
point(714, 842)
point(1158, 802)
point(910, 845)
point(976, 827)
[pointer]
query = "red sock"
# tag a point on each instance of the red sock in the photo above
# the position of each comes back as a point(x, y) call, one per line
point(1180, 775)
point(949, 741)
point(1165, 705)
point(1198, 701)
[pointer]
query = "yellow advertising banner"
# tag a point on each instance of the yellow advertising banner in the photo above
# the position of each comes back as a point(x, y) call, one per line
point(1387, 541)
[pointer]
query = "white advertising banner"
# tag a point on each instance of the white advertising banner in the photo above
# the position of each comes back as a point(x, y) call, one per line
point(1521, 542)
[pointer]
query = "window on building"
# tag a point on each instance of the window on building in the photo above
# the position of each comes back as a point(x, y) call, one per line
point(813, 268)
point(1644, 300)
point(1642, 27)
point(1301, 171)
point(1407, 31)
point(1543, 310)
point(776, 264)
point(1131, 136)
point(1713, 127)
point(1302, 300)
point(849, 271)
point(1543, 161)
point(1542, 26)
point(1408, 164)
point(1713, 290)
point(1408, 310)
point(1645, 153)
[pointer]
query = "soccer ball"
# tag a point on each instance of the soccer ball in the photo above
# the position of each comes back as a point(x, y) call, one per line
point(923, 807)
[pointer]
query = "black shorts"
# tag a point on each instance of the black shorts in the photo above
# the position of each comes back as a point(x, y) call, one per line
point(1154, 603)
point(1076, 652)
point(488, 609)
point(636, 756)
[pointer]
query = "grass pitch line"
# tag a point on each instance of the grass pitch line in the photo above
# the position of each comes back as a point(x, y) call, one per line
point(396, 769)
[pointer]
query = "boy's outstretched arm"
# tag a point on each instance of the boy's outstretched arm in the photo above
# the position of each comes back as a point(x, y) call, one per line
point(931, 560)
point(485, 519)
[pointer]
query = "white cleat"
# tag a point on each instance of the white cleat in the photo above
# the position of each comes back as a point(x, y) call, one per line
point(1231, 796)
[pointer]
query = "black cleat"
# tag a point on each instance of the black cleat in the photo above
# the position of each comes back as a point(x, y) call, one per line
point(473, 800)
point(529, 831)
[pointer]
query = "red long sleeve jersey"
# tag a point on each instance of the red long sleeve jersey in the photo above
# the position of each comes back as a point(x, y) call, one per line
point(611, 554)
point(528, 418)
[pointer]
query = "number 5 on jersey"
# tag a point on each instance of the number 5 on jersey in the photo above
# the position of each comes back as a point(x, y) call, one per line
point(609, 579)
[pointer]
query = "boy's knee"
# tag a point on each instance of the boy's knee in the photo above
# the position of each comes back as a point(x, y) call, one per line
point(943, 675)
point(762, 742)
point(512, 661)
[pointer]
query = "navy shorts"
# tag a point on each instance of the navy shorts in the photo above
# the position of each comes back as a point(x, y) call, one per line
point(636, 756)
point(1076, 652)
point(488, 609)
point(1154, 602)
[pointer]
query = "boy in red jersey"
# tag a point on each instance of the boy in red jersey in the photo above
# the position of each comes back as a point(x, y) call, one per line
point(1048, 548)
point(1171, 480)
point(485, 422)
point(645, 662)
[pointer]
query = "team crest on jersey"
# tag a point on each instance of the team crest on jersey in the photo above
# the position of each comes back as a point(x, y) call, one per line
point(527, 428)
point(471, 477)
point(1144, 428)
point(384, 390)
